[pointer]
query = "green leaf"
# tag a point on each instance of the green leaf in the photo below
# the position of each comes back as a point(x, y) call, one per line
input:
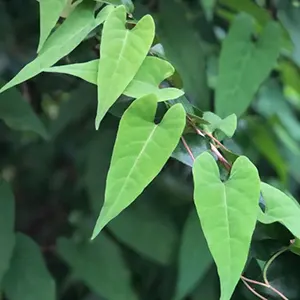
point(141, 147)
point(280, 208)
point(7, 220)
point(295, 247)
point(65, 39)
point(28, 277)
point(227, 125)
point(146, 81)
point(100, 265)
point(236, 86)
point(194, 257)
point(50, 11)
point(122, 52)
point(228, 213)
point(184, 50)
point(146, 230)
point(18, 115)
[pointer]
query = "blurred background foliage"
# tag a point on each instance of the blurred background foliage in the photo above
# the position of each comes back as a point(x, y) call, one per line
point(57, 163)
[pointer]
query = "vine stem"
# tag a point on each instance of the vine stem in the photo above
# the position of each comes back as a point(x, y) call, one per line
point(188, 149)
point(253, 290)
point(265, 270)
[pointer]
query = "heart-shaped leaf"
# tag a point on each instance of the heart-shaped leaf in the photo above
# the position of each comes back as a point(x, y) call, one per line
point(122, 52)
point(140, 152)
point(280, 208)
point(228, 213)
point(146, 81)
point(28, 277)
point(237, 86)
point(7, 220)
point(50, 11)
point(65, 39)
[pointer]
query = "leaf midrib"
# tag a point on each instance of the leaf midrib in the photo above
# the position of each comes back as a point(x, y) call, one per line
point(132, 168)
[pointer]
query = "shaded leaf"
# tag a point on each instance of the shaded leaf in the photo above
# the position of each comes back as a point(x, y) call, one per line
point(146, 81)
point(227, 125)
point(50, 11)
point(28, 277)
point(228, 213)
point(280, 208)
point(7, 220)
point(184, 50)
point(100, 265)
point(122, 52)
point(141, 147)
point(262, 139)
point(236, 86)
point(74, 108)
point(146, 230)
point(194, 257)
point(65, 39)
point(18, 115)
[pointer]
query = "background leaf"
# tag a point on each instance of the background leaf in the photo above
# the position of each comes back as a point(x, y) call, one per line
point(27, 277)
point(236, 86)
point(100, 265)
point(7, 220)
point(17, 113)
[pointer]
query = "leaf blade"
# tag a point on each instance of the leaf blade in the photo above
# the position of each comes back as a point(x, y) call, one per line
point(216, 200)
point(137, 140)
point(117, 65)
point(280, 208)
point(28, 273)
point(237, 86)
point(63, 41)
point(50, 11)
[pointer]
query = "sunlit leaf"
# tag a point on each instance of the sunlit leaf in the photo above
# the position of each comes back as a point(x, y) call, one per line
point(50, 11)
point(122, 52)
point(100, 265)
point(146, 81)
point(7, 220)
point(65, 39)
point(141, 147)
point(280, 208)
point(28, 277)
point(236, 86)
point(18, 115)
point(194, 257)
point(228, 213)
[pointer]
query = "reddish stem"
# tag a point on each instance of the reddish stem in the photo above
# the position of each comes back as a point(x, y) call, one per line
point(253, 290)
point(188, 149)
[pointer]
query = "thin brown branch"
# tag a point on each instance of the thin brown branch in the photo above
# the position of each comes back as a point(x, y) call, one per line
point(188, 149)
point(252, 290)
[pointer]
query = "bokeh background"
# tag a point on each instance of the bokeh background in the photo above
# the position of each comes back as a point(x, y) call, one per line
point(57, 164)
